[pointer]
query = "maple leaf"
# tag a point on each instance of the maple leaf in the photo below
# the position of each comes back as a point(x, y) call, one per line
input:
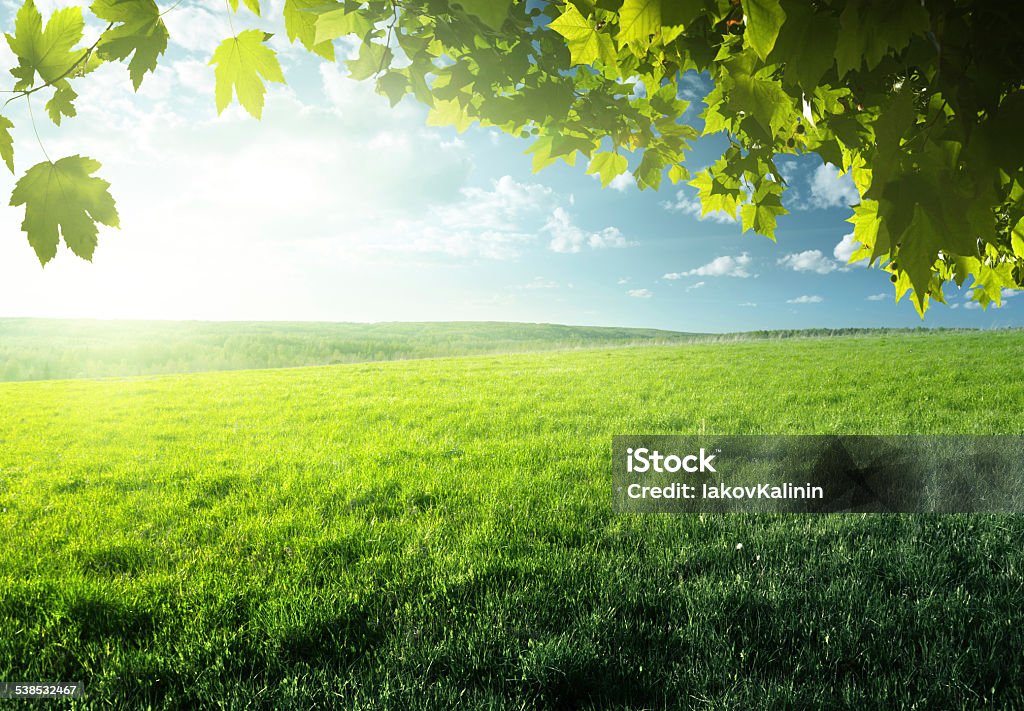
point(240, 63)
point(64, 199)
point(47, 52)
point(60, 104)
point(139, 31)
point(586, 43)
point(608, 166)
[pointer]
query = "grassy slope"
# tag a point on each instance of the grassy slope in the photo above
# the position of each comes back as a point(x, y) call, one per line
point(438, 533)
point(43, 349)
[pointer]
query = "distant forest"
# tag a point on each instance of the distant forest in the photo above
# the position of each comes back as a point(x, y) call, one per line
point(43, 349)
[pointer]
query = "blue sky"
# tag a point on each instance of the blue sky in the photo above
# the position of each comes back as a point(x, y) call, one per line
point(336, 207)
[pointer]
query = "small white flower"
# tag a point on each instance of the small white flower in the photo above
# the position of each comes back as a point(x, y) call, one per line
point(739, 546)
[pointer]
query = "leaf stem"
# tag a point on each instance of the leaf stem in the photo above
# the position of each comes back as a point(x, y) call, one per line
point(35, 130)
point(387, 42)
point(170, 8)
point(231, 23)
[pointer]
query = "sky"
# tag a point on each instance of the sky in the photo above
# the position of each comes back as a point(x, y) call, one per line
point(337, 207)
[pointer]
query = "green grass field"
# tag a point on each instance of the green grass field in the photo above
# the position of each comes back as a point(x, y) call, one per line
point(439, 534)
point(54, 349)
point(50, 349)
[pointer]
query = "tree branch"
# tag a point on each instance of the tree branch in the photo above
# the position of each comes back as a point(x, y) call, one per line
point(64, 75)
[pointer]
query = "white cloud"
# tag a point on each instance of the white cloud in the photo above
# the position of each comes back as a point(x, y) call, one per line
point(814, 260)
point(692, 207)
point(568, 238)
point(609, 238)
point(197, 29)
point(622, 182)
point(640, 293)
point(829, 189)
point(806, 300)
point(698, 285)
point(749, 304)
point(193, 75)
point(500, 208)
point(693, 86)
point(1009, 293)
point(845, 249)
point(811, 260)
point(878, 297)
point(789, 168)
point(720, 266)
point(565, 236)
point(493, 224)
point(623, 280)
point(972, 305)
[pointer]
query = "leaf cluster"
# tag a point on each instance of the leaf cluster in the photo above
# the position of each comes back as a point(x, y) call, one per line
point(63, 199)
point(920, 103)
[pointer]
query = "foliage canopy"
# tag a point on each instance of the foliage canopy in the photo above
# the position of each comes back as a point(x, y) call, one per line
point(921, 102)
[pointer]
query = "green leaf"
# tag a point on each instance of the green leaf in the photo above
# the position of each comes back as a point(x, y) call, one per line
point(240, 62)
point(678, 173)
point(946, 205)
point(140, 31)
point(373, 58)
point(871, 29)
point(869, 230)
point(541, 150)
point(46, 52)
point(338, 22)
point(895, 119)
point(7, 142)
point(665, 101)
point(638, 20)
point(764, 20)
point(989, 282)
point(417, 73)
point(756, 93)
point(63, 199)
point(652, 166)
point(61, 103)
point(714, 196)
point(492, 13)
point(586, 43)
point(1016, 237)
point(393, 85)
point(677, 15)
point(449, 113)
point(253, 5)
point(607, 165)
point(806, 44)
point(918, 251)
point(301, 24)
point(760, 216)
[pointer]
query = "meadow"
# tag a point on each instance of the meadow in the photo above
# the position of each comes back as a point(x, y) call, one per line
point(55, 349)
point(439, 534)
point(49, 349)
